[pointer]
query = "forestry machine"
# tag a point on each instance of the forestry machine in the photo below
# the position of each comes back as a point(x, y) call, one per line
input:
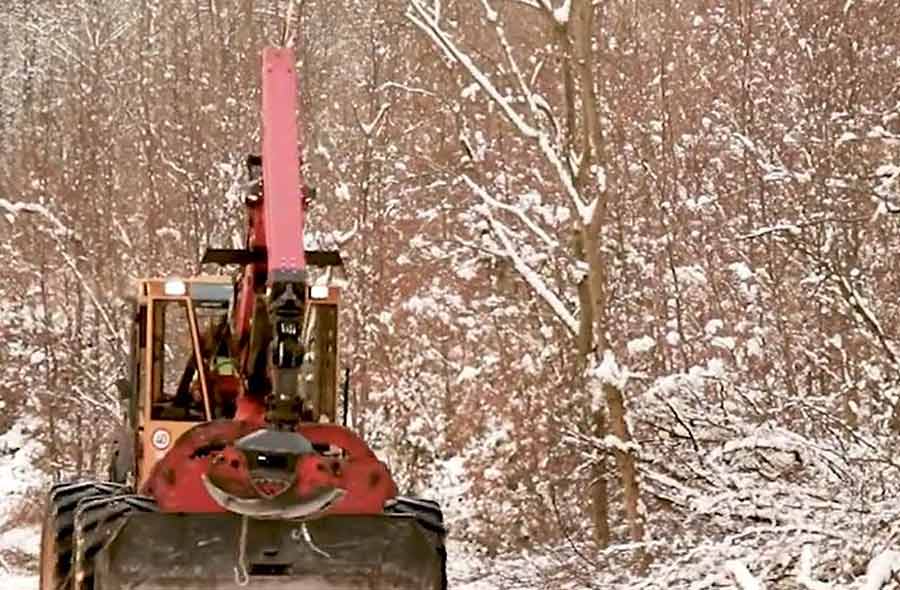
point(232, 471)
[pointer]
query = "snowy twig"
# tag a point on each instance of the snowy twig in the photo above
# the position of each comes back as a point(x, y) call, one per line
point(881, 569)
point(742, 575)
point(15, 208)
point(368, 128)
point(112, 410)
point(772, 229)
point(683, 424)
point(530, 276)
point(529, 223)
point(804, 573)
point(565, 530)
point(858, 303)
point(427, 21)
point(609, 442)
point(405, 88)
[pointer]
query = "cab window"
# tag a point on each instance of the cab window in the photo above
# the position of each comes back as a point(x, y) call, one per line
point(176, 393)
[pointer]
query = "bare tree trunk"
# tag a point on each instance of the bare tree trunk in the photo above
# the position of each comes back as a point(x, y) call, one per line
point(625, 461)
point(578, 40)
point(599, 491)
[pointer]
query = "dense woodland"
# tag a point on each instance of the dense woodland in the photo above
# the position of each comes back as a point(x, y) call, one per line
point(623, 276)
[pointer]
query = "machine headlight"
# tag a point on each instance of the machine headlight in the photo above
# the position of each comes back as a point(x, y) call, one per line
point(175, 288)
point(318, 292)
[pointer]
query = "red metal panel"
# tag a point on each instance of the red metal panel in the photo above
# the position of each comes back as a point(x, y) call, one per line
point(282, 200)
point(176, 481)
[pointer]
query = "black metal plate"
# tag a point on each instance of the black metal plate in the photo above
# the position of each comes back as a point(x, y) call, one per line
point(200, 552)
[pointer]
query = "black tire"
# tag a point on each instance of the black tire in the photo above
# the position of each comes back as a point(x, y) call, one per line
point(58, 527)
point(96, 521)
point(427, 513)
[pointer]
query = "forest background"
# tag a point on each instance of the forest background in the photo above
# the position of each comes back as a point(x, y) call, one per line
point(623, 284)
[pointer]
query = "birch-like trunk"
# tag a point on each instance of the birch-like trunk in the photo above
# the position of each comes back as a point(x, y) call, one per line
point(595, 327)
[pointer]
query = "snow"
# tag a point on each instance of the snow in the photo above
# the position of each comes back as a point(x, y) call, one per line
point(18, 581)
point(673, 338)
point(528, 274)
point(640, 345)
point(742, 575)
point(713, 326)
point(747, 419)
point(741, 270)
point(24, 539)
point(369, 128)
point(467, 374)
point(608, 372)
point(773, 229)
point(887, 170)
point(691, 274)
point(846, 137)
point(19, 479)
point(726, 342)
point(18, 476)
point(561, 14)
point(489, 13)
point(881, 569)
point(716, 368)
point(804, 575)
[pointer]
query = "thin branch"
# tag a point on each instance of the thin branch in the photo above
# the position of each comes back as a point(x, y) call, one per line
point(529, 223)
point(530, 276)
point(40, 210)
point(422, 18)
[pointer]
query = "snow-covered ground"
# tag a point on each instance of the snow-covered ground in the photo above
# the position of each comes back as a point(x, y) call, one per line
point(19, 449)
point(18, 582)
point(23, 540)
point(18, 480)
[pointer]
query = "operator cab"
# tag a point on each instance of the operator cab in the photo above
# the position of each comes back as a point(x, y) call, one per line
point(185, 369)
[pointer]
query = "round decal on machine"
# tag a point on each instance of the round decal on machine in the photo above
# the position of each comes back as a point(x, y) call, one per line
point(161, 439)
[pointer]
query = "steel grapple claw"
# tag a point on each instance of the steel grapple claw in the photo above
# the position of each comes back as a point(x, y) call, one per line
point(278, 507)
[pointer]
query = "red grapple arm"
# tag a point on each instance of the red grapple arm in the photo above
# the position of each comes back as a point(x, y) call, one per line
point(270, 300)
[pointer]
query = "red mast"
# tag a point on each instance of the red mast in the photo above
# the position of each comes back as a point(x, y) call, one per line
point(269, 315)
point(282, 199)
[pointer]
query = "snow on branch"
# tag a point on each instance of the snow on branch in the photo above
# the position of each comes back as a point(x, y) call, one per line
point(529, 223)
point(771, 229)
point(537, 284)
point(561, 14)
point(489, 12)
point(609, 442)
point(514, 65)
point(404, 88)
point(882, 569)
point(745, 580)
point(426, 19)
point(15, 208)
point(860, 305)
point(368, 128)
point(59, 230)
point(804, 574)
point(427, 22)
point(110, 403)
